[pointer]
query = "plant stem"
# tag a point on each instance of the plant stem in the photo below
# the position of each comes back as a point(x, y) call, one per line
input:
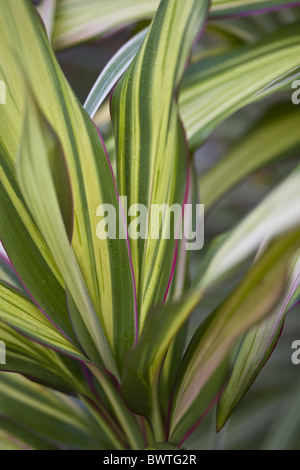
point(157, 422)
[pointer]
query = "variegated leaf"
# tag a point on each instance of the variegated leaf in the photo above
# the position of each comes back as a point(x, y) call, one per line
point(76, 21)
point(91, 180)
point(151, 147)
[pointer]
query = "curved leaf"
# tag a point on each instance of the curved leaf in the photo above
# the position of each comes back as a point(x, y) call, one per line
point(40, 150)
point(278, 212)
point(16, 437)
point(255, 349)
point(50, 414)
point(47, 11)
point(275, 215)
point(8, 275)
point(205, 364)
point(41, 364)
point(216, 87)
point(150, 144)
point(21, 314)
point(23, 38)
point(275, 136)
point(112, 72)
point(76, 22)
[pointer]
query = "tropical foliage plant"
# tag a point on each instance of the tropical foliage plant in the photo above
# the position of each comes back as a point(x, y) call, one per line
point(98, 331)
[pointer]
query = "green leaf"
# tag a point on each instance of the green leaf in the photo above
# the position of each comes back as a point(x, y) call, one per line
point(50, 414)
point(276, 214)
point(124, 416)
point(21, 314)
point(40, 151)
point(76, 22)
point(20, 236)
point(216, 87)
point(112, 72)
point(275, 136)
point(112, 292)
point(181, 283)
point(15, 437)
point(283, 431)
point(222, 8)
point(142, 368)
point(41, 364)
point(8, 275)
point(255, 349)
point(204, 366)
point(150, 143)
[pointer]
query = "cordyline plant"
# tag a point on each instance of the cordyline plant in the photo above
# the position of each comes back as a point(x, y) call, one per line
point(95, 328)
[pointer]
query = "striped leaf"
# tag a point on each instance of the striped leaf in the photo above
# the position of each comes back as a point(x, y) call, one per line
point(256, 348)
point(51, 415)
point(22, 315)
point(8, 275)
point(76, 21)
point(224, 8)
point(15, 437)
point(40, 152)
point(150, 143)
point(41, 364)
point(216, 87)
point(204, 366)
point(144, 362)
point(275, 136)
point(18, 232)
point(91, 180)
point(181, 283)
point(276, 214)
point(226, 82)
point(112, 72)
point(126, 420)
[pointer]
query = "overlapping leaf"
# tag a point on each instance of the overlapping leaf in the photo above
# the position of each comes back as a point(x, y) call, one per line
point(16, 437)
point(47, 11)
point(142, 373)
point(8, 275)
point(41, 364)
point(256, 348)
point(216, 87)
point(279, 211)
point(21, 314)
point(40, 152)
point(59, 419)
point(235, 7)
point(204, 365)
point(91, 180)
point(76, 21)
point(150, 143)
point(113, 71)
point(269, 219)
point(275, 136)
